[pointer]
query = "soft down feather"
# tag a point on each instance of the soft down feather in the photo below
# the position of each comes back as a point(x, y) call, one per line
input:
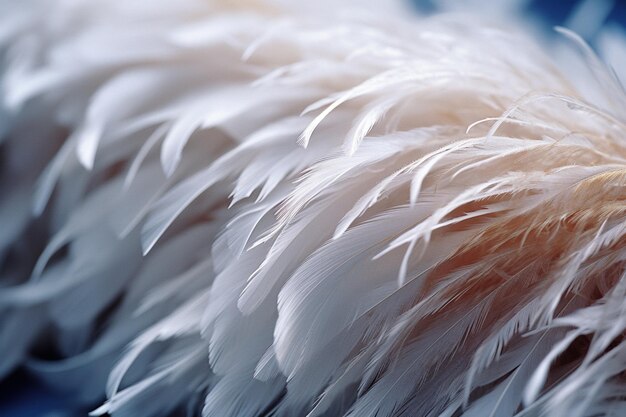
point(254, 208)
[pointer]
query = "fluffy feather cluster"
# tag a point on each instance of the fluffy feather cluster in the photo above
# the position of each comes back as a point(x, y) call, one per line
point(246, 208)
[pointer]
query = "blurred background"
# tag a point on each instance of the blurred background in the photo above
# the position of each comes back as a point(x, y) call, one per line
point(22, 396)
point(586, 17)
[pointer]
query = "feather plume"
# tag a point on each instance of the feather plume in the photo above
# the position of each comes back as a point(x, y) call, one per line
point(247, 208)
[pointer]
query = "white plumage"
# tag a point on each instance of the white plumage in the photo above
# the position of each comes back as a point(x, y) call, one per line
point(247, 208)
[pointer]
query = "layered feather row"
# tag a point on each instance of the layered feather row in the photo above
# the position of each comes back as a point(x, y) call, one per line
point(246, 209)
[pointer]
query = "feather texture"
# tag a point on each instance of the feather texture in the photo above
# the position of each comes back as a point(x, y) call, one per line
point(252, 207)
